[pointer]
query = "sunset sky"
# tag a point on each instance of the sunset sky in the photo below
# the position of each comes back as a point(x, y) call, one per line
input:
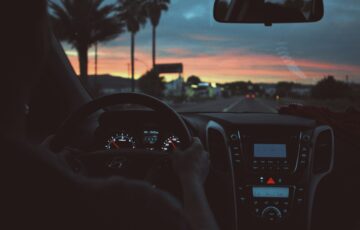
point(217, 52)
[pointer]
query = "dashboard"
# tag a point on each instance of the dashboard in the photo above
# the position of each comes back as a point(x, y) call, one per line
point(265, 168)
point(274, 164)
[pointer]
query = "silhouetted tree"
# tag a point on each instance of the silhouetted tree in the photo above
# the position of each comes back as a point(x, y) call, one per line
point(154, 9)
point(284, 89)
point(152, 84)
point(237, 88)
point(193, 80)
point(330, 88)
point(83, 23)
point(133, 14)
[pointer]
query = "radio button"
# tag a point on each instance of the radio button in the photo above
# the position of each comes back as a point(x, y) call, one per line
point(304, 149)
point(258, 212)
point(299, 201)
point(243, 199)
point(285, 168)
point(303, 162)
point(300, 189)
point(235, 148)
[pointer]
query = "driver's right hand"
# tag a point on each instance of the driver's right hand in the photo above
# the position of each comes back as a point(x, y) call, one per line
point(192, 164)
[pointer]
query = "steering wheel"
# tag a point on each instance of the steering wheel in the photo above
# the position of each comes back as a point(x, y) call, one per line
point(127, 158)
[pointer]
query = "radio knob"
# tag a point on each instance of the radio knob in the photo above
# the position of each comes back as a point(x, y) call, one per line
point(271, 214)
point(306, 138)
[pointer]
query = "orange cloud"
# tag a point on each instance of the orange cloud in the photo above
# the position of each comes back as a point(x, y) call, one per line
point(178, 52)
point(234, 65)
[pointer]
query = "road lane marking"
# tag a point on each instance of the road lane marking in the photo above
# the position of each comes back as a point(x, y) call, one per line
point(267, 106)
point(233, 105)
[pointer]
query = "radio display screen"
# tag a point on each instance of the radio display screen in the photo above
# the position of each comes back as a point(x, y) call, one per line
point(270, 192)
point(270, 151)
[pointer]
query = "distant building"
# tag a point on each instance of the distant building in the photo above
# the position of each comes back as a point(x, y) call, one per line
point(303, 91)
point(269, 89)
point(203, 90)
point(175, 87)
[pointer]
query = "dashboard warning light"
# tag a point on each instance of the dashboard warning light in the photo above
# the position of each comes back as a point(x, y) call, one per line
point(270, 181)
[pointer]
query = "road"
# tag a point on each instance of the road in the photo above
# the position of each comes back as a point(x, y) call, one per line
point(234, 104)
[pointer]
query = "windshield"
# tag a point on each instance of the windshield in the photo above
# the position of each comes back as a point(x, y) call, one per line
point(176, 51)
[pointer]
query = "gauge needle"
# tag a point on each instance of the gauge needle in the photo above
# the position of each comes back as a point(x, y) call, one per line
point(114, 144)
point(173, 145)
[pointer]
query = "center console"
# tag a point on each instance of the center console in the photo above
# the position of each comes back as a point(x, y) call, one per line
point(274, 181)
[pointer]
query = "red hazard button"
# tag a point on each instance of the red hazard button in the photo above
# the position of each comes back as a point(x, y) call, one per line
point(270, 181)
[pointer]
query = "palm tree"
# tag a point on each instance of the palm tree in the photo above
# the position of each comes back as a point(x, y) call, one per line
point(154, 9)
point(83, 23)
point(132, 13)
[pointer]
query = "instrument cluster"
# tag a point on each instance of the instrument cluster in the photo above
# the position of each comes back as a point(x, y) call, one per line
point(136, 130)
point(149, 139)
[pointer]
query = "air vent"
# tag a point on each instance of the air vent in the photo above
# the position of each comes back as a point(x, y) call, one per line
point(323, 152)
point(218, 151)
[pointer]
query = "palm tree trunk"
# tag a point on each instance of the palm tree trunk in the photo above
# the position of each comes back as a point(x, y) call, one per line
point(154, 45)
point(132, 62)
point(83, 62)
point(96, 59)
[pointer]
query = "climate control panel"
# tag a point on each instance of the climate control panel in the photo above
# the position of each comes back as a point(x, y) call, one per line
point(270, 174)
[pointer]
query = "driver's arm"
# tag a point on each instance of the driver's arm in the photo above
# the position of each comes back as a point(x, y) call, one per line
point(192, 167)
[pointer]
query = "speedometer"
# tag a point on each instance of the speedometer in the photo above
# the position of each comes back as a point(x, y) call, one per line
point(120, 141)
point(171, 144)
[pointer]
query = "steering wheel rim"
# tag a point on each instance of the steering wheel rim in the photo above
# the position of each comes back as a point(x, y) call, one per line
point(61, 136)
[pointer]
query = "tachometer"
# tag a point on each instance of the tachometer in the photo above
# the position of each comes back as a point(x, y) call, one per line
point(171, 144)
point(120, 141)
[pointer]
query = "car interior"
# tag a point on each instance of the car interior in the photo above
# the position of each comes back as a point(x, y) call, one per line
point(268, 170)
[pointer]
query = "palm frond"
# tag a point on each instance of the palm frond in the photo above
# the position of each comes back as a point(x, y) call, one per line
point(85, 22)
point(132, 13)
point(154, 9)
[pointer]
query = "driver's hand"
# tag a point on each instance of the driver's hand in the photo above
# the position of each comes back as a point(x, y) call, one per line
point(193, 163)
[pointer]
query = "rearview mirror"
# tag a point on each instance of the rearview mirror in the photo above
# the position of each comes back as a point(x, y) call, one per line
point(268, 11)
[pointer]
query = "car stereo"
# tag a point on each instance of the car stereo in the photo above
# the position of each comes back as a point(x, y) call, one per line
point(277, 151)
point(272, 154)
point(272, 168)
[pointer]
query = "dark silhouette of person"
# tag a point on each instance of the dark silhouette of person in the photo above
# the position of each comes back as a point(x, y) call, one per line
point(38, 189)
